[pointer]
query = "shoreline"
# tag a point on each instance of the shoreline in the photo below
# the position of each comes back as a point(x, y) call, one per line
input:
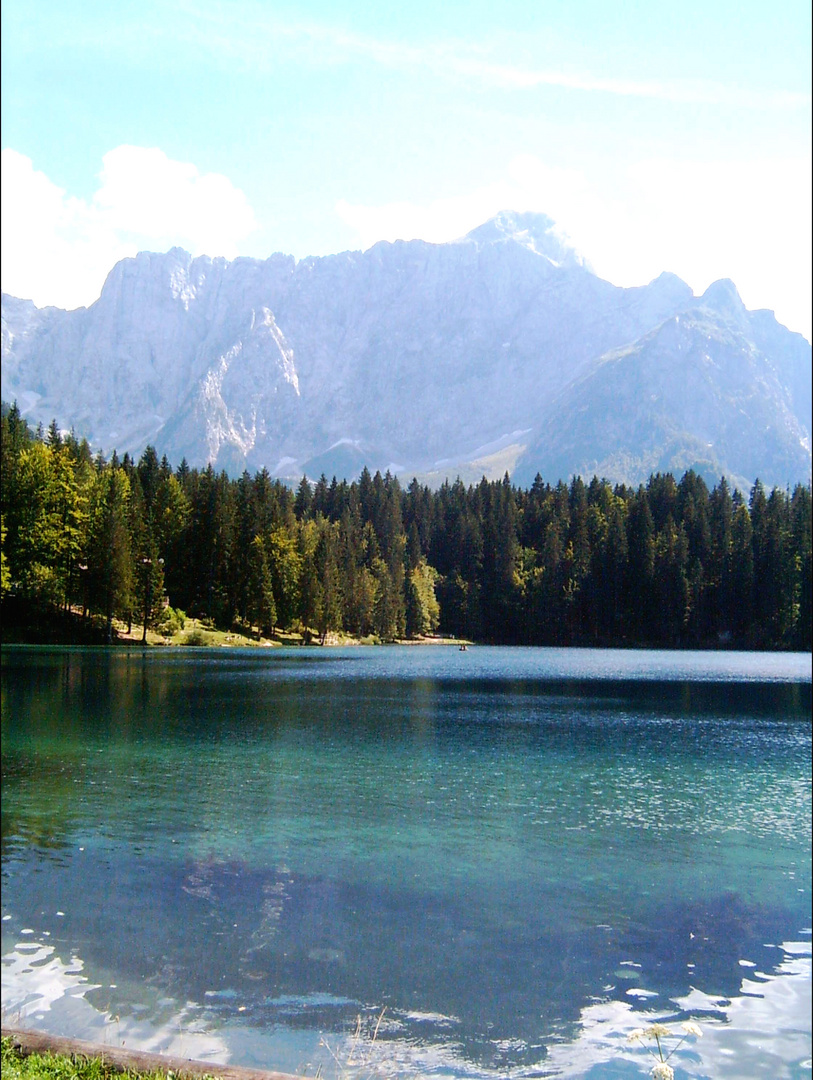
point(73, 628)
point(239, 641)
point(27, 1041)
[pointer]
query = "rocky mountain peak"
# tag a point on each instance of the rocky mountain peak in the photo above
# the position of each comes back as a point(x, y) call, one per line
point(722, 296)
point(667, 283)
point(531, 230)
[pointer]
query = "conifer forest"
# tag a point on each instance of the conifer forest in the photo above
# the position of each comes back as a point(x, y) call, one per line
point(669, 564)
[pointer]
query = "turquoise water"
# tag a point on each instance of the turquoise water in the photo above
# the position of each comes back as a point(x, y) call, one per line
point(519, 855)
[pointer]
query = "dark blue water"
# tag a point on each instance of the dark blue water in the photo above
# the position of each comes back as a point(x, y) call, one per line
point(519, 855)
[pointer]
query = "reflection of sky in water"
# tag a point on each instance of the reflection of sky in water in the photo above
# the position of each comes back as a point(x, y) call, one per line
point(764, 1031)
point(39, 991)
point(521, 865)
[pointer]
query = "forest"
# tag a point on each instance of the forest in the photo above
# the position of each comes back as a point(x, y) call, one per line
point(669, 564)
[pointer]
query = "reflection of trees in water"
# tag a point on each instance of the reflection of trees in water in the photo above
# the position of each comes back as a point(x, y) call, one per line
point(87, 696)
point(45, 824)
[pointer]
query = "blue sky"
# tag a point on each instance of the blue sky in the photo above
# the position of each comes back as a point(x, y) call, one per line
point(658, 136)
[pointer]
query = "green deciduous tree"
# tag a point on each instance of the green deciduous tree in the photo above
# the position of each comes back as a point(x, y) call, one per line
point(422, 608)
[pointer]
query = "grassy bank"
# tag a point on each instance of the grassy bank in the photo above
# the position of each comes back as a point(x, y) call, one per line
point(21, 1066)
point(30, 1055)
point(201, 633)
point(35, 625)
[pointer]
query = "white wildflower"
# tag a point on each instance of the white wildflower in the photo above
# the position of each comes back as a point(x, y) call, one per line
point(633, 1036)
point(662, 1071)
point(691, 1028)
point(658, 1031)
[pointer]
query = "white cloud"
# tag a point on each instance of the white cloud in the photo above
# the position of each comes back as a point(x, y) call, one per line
point(746, 220)
point(57, 249)
point(145, 192)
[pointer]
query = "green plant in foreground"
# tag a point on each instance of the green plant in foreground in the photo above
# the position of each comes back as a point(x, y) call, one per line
point(661, 1070)
point(48, 1066)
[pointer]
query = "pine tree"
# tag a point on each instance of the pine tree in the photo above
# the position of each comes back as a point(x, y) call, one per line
point(330, 610)
point(54, 437)
point(109, 555)
point(310, 588)
point(304, 498)
point(641, 566)
point(722, 600)
point(261, 606)
point(742, 583)
point(671, 585)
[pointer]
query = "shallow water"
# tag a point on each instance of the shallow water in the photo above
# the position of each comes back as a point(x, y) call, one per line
point(519, 854)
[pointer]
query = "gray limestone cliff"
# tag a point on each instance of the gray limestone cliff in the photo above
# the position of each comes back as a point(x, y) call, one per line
point(411, 354)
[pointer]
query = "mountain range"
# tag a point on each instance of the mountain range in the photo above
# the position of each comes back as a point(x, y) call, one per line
point(499, 351)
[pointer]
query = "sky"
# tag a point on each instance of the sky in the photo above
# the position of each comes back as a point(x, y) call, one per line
point(658, 136)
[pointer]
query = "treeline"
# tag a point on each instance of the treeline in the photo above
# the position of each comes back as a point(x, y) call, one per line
point(669, 563)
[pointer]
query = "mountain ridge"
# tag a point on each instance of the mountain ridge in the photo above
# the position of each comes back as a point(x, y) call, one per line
point(415, 353)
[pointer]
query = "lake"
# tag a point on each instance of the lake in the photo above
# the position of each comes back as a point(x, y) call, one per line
point(519, 855)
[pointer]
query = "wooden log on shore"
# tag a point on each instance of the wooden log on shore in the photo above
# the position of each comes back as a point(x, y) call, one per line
point(119, 1058)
